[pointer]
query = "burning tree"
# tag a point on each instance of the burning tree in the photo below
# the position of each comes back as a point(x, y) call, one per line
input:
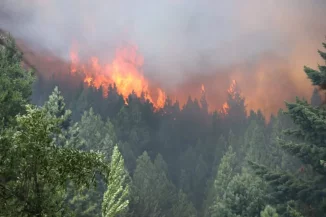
point(234, 109)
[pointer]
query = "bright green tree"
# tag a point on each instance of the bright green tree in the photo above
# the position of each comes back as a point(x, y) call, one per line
point(36, 170)
point(116, 198)
point(268, 212)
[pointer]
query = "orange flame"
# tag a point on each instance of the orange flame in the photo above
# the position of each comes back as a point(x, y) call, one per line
point(232, 90)
point(202, 88)
point(225, 108)
point(125, 71)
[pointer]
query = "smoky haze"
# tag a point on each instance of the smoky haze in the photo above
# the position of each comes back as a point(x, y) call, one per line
point(262, 44)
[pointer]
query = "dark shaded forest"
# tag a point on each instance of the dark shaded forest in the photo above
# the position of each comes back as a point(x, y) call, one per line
point(71, 152)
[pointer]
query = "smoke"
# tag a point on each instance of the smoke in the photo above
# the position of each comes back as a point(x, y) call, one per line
point(263, 45)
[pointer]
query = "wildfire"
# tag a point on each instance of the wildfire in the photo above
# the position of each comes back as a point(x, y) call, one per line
point(225, 108)
point(232, 91)
point(202, 88)
point(125, 71)
point(74, 58)
point(233, 88)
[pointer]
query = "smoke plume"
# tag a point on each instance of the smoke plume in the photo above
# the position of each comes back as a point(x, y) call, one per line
point(263, 45)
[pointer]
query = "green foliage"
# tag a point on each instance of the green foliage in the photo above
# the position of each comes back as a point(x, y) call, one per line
point(183, 207)
point(305, 190)
point(316, 98)
point(92, 134)
point(193, 175)
point(318, 78)
point(132, 130)
point(256, 144)
point(56, 107)
point(96, 134)
point(225, 171)
point(244, 196)
point(269, 212)
point(35, 170)
point(116, 198)
point(224, 175)
point(15, 83)
point(153, 194)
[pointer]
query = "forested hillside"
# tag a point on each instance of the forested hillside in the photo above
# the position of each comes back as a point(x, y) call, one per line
point(75, 153)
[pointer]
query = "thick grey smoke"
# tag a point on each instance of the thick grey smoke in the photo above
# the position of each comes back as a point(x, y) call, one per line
point(176, 37)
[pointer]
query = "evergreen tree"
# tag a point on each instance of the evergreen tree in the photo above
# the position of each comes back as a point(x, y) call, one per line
point(96, 134)
point(268, 212)
point(224, 175)
point(315, 98)
point(113, 103)
point(15, 83)
point(235, 113)
point(309, 146)
point(35, 170)
point(256, 148)
point(183, 207)
point(244, 196)
point(153, 194)
point(116, 198)
point(134, 130)
point(56, 107)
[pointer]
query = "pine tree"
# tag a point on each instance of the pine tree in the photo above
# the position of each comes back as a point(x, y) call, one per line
point(224, 175)
point(244, 196)
point(15, 83)
point(256, 147)
point(116, 198)
point(96, 134)
point(309, 146)
point(194, 172)
point(35, 170)
point(56, 107)
point(183, 207)
point(153, 194)
point(268, 212)
point(315, 98)
point(235, 113)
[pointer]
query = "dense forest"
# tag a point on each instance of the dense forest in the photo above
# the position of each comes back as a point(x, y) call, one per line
point(70, 152)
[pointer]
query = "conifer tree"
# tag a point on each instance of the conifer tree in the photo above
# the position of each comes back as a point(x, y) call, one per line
point(244, 196)
point(256, 148)
point(94, 135)
point(36, 170)
point(153, 194)
point(236, 113)
point(224, 175)
point(97, 134)
point(268, 212)
point(116, 198)
point(315, 98)
point(15, 83)
point(309, 146)
point(56, 107)
point(183, 207)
